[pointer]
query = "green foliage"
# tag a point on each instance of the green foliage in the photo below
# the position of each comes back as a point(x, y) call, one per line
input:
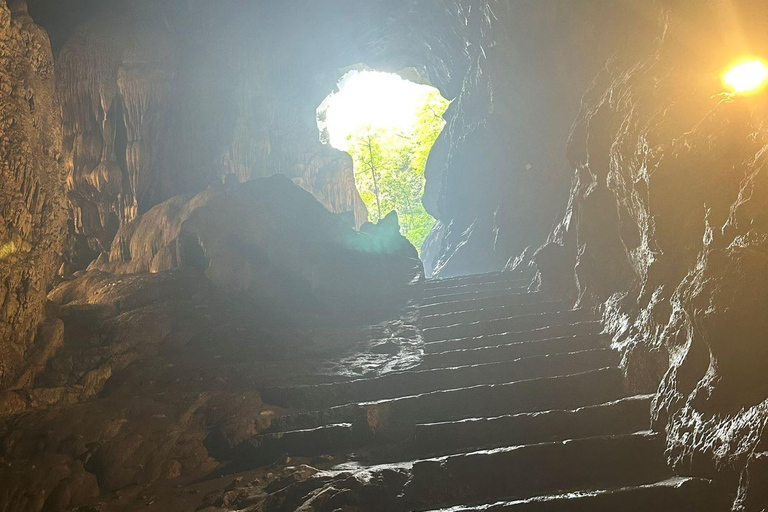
point(389, 168)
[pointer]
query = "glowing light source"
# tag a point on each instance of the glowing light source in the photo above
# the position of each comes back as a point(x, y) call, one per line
point(372, 98)
point(746, 76)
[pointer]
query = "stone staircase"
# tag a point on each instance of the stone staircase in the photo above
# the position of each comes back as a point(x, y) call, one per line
point(518, 404)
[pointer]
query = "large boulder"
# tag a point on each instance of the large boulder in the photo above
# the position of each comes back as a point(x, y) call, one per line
point(272, 243)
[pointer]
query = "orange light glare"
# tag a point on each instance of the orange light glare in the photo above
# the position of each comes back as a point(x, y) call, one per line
point(746, 77)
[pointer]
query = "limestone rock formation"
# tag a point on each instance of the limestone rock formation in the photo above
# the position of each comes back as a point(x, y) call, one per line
point(666, 229)
point(272, 242)
point(172, 107)
point(497, 178)
point(158, 378)
point(32, 215)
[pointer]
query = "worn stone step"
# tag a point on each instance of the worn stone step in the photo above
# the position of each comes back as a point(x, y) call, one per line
point(514, 299)
point(491, 313)
point(432, 289)
point(623, 416)
point(671, 495)
point(480, 278)
point(512, 351)
point(519, 336)
point(264, 449)
point(437, 297)
point(425, 440)
point(566, 392)
point(507, 325)
point(423, 381)
point(521, 472)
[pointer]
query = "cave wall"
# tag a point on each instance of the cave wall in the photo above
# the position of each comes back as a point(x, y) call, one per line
point(160, 100)
point(498, 178)
point(166, 98)
point(666, 231)
point(32, 215)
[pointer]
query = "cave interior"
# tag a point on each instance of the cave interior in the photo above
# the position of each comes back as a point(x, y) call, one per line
point(200, 309)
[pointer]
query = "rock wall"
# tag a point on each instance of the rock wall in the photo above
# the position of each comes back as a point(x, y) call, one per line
point(157, 104)
point(497, 179)
point(666, 229)
point(163, 98)
point(32, 216)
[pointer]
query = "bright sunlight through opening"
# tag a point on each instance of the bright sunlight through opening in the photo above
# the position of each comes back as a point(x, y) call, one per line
point(372, 99)
point(388, 125)
point(746, 76)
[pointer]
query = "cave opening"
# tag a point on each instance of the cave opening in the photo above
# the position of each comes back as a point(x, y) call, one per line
point(388, 125)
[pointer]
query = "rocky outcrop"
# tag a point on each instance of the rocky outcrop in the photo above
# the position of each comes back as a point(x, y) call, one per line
point(666, 230)
point(497, 178)
point(156, 381)
point(272, 242)
point(32, 215)
point(136, 388)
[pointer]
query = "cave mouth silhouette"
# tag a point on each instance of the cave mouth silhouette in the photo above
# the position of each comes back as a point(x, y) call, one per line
point(388, 124)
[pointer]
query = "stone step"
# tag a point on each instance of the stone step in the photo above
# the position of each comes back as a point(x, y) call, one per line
point(437, 297)
point(511, 351)
point(434, 289)
point(506, 325)
point(566, 392)
point(520, 472)
point(264, 449)
point(488, 302)
point(424, 440)
point(623, 416)
point(423, 381)
point(519, 336)
point(480, 278)
point(491, 313)
point(671, 495)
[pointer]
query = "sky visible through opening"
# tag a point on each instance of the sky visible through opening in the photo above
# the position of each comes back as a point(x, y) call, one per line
point(388, 125)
